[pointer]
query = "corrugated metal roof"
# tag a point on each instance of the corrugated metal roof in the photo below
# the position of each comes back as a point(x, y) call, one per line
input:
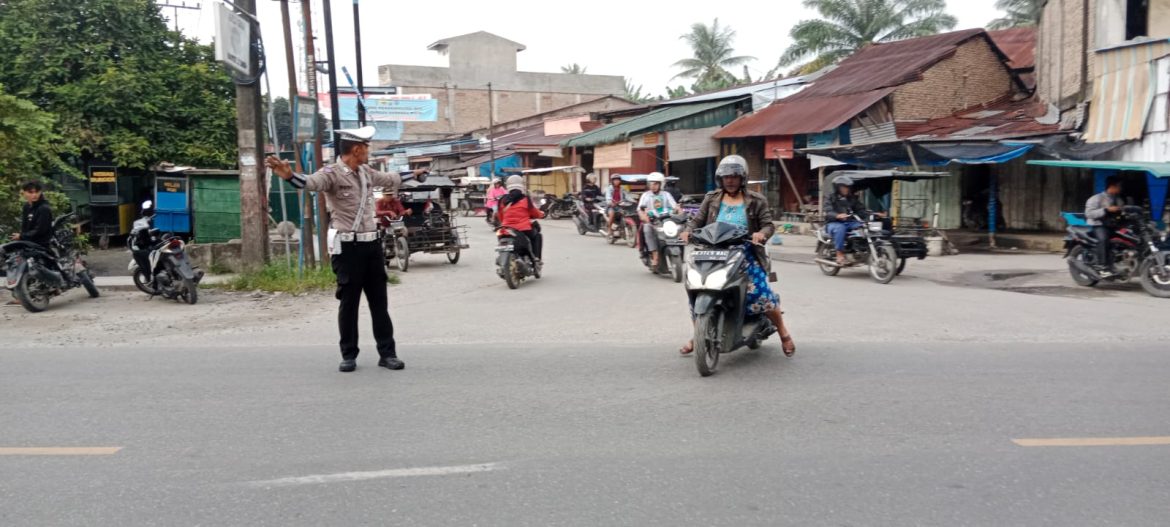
point(887, 65)
point(741, 91)
point(857, 83)
point(1019, 44)
point(802, 117)
point(1001, 120)
point(660, 120)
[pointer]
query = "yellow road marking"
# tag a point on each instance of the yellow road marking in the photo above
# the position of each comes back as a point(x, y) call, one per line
point(1095, 441)
point(60, 451)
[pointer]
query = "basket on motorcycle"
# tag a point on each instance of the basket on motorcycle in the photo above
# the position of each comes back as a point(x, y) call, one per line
point(909, 246)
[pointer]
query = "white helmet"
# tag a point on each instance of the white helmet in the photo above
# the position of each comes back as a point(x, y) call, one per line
point(515, 183)
point(591, 178)
point(733, 165)
point(655, 177)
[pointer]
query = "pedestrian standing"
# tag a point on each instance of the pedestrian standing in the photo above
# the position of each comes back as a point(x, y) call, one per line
point(354, 245)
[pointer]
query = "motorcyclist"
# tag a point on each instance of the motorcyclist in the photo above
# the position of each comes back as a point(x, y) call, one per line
point(590, 193)
point(840, 208)
point(672, 189)
point(517, 212)
point(1101, 213)
point(732, 204)
point(654, 203)
point(143, 240)
point(36, 217)
point(493, 197)
point(614, 194)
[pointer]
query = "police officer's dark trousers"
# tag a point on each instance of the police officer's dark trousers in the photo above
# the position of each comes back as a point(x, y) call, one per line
point(361, 267)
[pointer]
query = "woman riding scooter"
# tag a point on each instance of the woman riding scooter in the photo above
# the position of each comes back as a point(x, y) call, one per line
point(517, 212)
point(732, 204)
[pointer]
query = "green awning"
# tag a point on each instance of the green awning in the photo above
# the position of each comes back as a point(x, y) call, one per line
point(680, 117)
point(1154, 169)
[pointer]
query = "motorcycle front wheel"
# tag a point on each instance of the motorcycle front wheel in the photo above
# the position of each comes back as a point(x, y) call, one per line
point(508, 268)
point(1155, 281)
point(190, 291)
point(631, 236)
point(883, 265)
point(677, 270)
point(706, 350)
point(32, 303)
point(402, 253)
point(87, 282)
point(828, 270)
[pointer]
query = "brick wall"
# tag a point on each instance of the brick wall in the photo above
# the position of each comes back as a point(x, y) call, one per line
point(972, 76)
point(462, 110)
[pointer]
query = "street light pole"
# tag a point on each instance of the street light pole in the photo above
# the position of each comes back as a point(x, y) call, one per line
point(492, 130)
point(307, 214)
point(357, 41)
point(336, 117)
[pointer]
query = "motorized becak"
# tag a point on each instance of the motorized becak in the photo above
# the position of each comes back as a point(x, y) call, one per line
point(36, 273)
point(717, 285)
point(429, 228)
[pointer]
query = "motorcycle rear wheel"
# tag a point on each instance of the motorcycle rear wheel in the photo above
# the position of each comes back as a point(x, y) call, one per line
point(87, 282)
point(883, 266)
point(706, 352)
point(1078, 253)
point(142, 282)
point(34, 304)
point(1155, 283)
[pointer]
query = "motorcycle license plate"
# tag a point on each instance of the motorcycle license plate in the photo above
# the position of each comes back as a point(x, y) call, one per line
point(710, 256)
point(504, 249)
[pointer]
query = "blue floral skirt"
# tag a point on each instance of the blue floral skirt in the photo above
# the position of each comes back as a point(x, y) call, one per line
point(760, 297)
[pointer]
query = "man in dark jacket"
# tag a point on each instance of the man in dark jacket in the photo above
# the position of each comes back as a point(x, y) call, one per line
point(36, 218)
point(840, 208)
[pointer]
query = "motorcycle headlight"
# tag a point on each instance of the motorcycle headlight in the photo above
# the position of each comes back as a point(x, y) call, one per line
point(670, 229)
point(717, 279)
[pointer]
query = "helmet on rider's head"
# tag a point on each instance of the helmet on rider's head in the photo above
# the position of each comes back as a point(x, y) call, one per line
point(655, 177)
point(733, 165)
point(615, 176)
point(591, 178)
point(842, 181)
point(515, 183)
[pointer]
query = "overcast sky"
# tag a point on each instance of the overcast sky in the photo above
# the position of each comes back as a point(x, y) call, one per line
point(639, 40)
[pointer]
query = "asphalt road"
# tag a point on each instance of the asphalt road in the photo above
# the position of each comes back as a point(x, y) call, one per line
point(565, 403)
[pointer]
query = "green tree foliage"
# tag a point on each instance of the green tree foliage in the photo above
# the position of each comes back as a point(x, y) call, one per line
point(123, 87)
point(677, 92)
point(29, 148)
point(846, 26)
point(713, 53)
point(574, 68)
point(634, 93)
point(1017, 13)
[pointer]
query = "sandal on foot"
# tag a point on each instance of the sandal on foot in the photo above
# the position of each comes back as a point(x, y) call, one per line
point(789, 346)
point(686, 349)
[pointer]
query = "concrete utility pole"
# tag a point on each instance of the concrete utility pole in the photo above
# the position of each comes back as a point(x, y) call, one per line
point(311, 79)
point(253, 198)
point(492, 130)
point(307, 208)
point(357, 42)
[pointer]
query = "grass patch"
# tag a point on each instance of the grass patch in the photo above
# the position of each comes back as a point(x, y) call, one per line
point(218, 268)
point(278, 277)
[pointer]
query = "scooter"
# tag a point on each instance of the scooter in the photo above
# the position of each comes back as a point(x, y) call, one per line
point(171, 274)
point(717, 284)
point(588, 216)
point(670, 247)
point(514, 259)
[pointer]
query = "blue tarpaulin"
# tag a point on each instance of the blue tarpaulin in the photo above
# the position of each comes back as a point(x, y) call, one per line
point(897, 154)
point(512, 161)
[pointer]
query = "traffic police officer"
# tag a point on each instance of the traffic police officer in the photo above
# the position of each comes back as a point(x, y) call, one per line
point(354, 244)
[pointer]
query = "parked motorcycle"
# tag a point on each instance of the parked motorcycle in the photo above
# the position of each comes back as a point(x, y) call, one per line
point(717, 284)
point(36, 273)
point(588, 216)
point(670, 258)
point(868, 245)
point(558, 208)
point(514, 259)
point(171, 274)
point(1137, 249)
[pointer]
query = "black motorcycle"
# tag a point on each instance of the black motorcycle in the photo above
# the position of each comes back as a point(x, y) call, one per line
point(588, 216)
point(171, 274)
point(1137, 249)
point(514, 259)
point(558, 208)
point(869, 244)
point(717, 284)
point(670, 257)
point(625, 224)
point(36, 273)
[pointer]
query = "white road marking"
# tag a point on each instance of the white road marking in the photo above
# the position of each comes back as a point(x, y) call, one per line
point(1095, 441)
point(60, 451)
point(376, 474)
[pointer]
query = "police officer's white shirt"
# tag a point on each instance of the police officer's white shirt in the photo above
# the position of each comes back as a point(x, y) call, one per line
point(349, 194)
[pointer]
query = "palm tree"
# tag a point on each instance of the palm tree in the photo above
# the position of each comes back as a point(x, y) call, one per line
point(574, 68)
point(713, 54)
point(846, 26)
point(634, 93)
point(1019, 13)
